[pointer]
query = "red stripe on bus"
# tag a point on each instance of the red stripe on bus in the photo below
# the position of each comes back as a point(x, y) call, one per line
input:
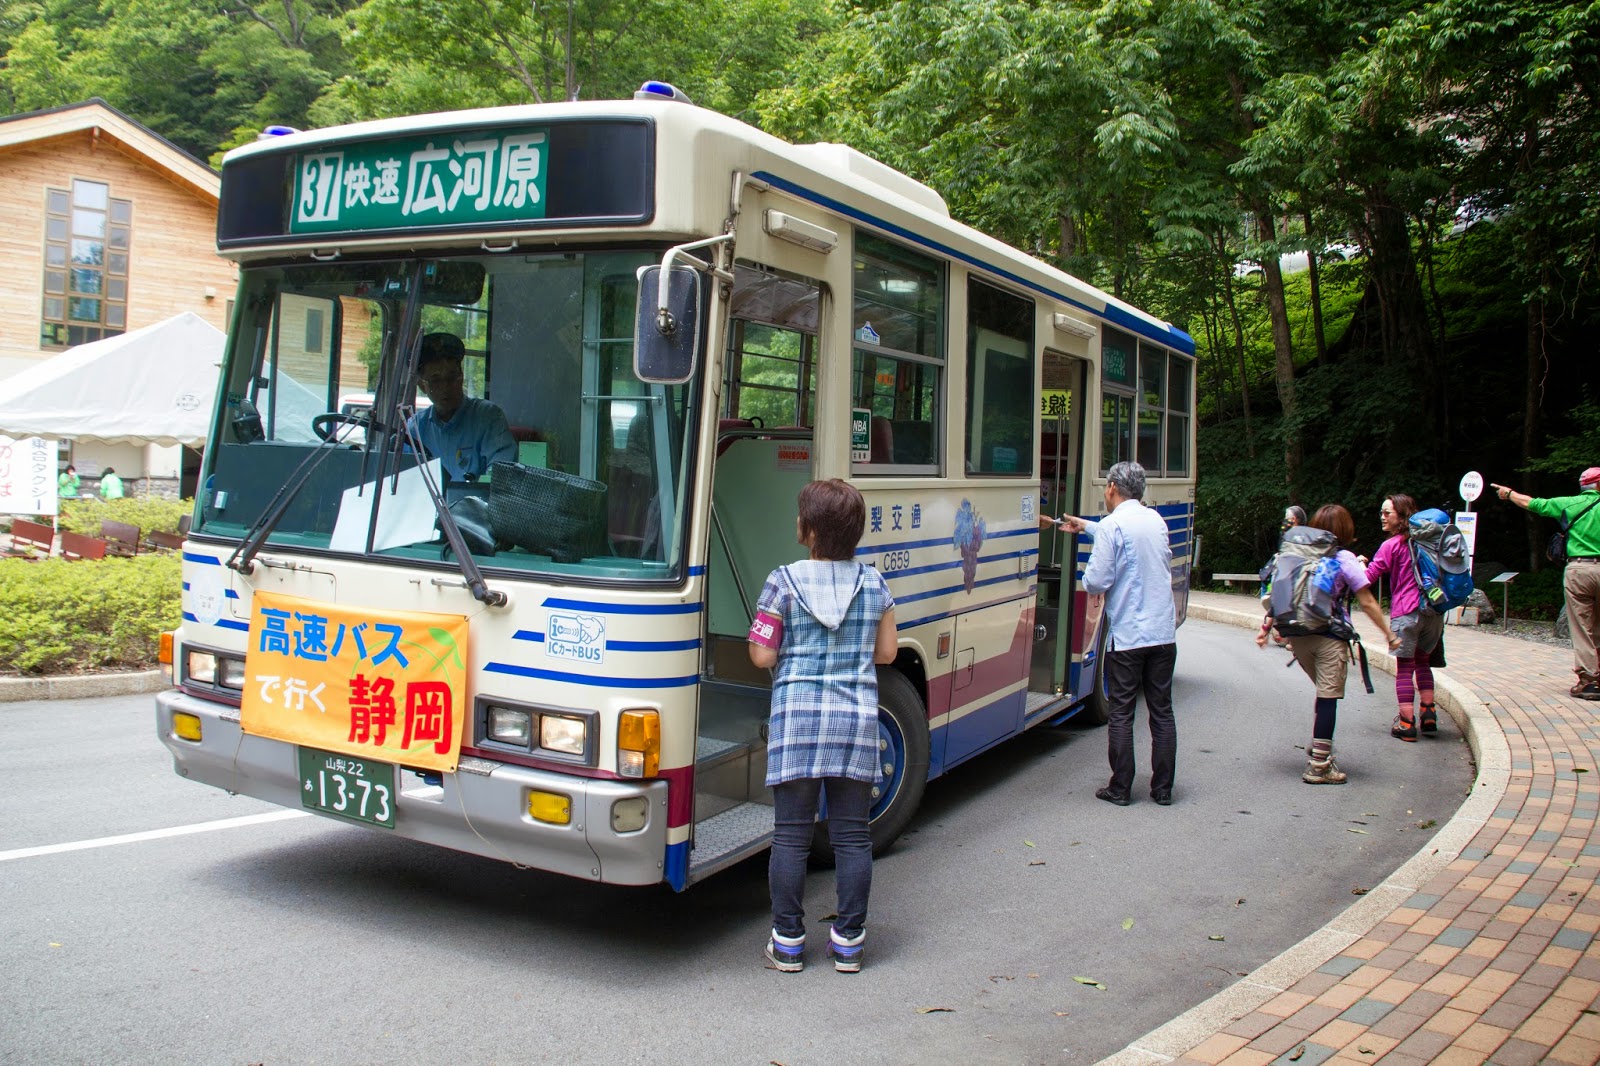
point(988, 675)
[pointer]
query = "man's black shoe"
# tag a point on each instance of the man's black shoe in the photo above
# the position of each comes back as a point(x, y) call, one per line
point(1112, 797)
point(1163, 798)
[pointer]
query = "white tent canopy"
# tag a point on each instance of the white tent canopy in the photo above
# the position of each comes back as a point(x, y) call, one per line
point(155, 385)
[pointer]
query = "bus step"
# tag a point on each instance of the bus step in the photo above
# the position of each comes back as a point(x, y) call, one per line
point(723, 840)
point(722, 775)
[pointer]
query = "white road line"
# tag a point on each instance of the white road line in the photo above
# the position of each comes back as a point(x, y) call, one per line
point(425, 792)
point(153, 834)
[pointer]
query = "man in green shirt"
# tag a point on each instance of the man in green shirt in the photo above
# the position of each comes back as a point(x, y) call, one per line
point(1582, 580)
point(110, 485)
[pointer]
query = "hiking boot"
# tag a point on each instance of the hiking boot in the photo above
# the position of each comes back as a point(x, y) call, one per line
point(1404, 728)
point(787, 953)
point(1428, 719)
point(1323, 772)
point(847, 951)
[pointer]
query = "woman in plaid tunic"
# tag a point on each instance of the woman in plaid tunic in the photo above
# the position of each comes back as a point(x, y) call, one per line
point(823, 623)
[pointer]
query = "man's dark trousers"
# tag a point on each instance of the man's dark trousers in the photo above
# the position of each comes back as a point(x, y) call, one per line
point(1127, 672)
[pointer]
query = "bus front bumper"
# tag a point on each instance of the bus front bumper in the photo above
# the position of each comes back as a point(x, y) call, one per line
point(482, 808)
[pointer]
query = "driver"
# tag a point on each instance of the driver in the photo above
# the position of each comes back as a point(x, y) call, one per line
point(465, 432)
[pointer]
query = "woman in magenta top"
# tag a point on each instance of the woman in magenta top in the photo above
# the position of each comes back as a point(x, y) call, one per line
point(1419, 630)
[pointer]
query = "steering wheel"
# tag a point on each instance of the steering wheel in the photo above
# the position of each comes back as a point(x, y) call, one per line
point(326, 424)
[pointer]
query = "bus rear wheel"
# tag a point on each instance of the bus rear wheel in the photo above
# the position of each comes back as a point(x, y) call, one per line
point(902, 767)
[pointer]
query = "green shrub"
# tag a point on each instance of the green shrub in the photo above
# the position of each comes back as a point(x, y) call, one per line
point(59, 617)
point(149, 513)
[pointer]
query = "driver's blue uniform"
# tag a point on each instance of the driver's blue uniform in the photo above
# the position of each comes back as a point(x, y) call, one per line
point(476, 436)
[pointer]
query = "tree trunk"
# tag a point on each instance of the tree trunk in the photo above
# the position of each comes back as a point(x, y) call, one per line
point(1282, 346)
point(1314, 269)
point(1532, 405)
point(1226, 267)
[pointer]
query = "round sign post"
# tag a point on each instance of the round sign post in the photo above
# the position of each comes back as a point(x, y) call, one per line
point(1471, 487)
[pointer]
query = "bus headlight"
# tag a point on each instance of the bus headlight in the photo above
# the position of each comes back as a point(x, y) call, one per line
point(230, 673)
point(507, 725)
point(566, 735)
point(202, 667)
point(639, 743)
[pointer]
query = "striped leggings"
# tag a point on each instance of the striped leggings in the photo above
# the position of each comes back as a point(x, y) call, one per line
point(1410, 677)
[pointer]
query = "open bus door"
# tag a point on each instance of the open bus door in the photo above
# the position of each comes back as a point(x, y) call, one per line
point(1059, 623)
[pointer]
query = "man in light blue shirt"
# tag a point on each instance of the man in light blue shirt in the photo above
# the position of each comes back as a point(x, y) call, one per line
point(465, 433)
point(1132, 564)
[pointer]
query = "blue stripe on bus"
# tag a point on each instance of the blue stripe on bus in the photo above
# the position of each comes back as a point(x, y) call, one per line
point(907, 545)
point(933, 568)
point(623, 608)
point(1170, 335)
point(209, 560)
point(221, 623)
point(951, 590)
point(676, 869)
point(535, 637)
point(229, 594)
point(589, 679)
point(696, 571)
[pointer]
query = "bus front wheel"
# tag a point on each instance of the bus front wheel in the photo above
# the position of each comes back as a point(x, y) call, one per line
point(902, 766)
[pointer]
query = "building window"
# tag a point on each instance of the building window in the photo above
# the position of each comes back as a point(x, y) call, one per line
point(999, 381)
point(898, 361)
point(87, 236)
point(1146, 404)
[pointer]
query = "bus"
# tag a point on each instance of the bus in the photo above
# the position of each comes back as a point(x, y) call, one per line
point(682, 320)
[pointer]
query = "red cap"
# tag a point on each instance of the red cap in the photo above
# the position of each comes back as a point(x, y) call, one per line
point(1589, 477)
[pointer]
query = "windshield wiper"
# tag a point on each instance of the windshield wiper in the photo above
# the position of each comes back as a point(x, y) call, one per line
point(447, 525)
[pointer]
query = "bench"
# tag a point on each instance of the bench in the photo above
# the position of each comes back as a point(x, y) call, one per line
point(1249, 580)
point(30, 540)
point(165, 542)
point(122, 539)
point(75, 546)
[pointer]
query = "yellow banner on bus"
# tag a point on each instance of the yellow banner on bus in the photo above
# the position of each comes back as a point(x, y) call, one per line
point(389, 685)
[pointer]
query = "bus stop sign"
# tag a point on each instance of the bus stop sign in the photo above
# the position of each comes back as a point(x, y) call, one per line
point(1471, 486)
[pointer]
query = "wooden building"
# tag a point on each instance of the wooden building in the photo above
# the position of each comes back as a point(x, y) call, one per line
point(104, 227)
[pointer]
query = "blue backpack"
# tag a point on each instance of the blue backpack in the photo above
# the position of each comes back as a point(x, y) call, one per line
point(1439, 561)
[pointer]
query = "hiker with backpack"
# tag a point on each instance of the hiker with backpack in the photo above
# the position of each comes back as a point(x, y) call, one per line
point(1314, 577)
point(1419, 630)
point(1578, 544)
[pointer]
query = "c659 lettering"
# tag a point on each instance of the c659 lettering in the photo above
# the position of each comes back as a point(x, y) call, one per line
point(892, 561)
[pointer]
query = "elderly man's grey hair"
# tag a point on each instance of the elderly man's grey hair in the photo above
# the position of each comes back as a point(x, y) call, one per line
point(1129, 480)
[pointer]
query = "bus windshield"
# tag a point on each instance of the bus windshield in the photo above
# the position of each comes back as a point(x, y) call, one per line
point(549, 453)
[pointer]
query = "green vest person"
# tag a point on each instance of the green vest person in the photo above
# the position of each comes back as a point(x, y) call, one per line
point(110, 485)
point(67, 483)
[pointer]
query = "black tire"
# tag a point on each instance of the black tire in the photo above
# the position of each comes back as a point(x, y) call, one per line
point(903, 729)
point(1097, 708)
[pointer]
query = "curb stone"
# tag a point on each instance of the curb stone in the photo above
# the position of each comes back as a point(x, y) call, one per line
point(85, 686)
point(1492, 758)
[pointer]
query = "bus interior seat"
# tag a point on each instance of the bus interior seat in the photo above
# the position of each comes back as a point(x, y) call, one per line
point(724, 440)
point(630, 500)
point(913, 442)
point(882, 440)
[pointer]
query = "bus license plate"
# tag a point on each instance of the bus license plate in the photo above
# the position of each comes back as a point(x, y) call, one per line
point(347, 786)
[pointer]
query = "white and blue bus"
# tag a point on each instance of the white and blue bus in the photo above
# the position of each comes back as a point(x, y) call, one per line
point(683, 320)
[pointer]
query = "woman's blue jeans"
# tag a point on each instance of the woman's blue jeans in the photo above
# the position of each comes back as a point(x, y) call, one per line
point(794, 811)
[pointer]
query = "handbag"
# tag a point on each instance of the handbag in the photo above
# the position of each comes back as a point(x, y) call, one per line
point(1556, 550)
point(547, 512)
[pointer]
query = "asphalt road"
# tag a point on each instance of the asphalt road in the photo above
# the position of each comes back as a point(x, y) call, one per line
point(300, 940)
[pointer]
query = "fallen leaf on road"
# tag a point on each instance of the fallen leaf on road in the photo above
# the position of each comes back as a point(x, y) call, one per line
point(936, 1010)
point(1358, 891)
point(1239, 902)
point(1034, 976)
point(1357, 821)
point(54, 944)
point(1027, 843)
point(1365, 1050)
point(1091, 982)
point(1060, 1013)
point(1428, 824)
point(1294, 1056)
point(1127, 923)
point(1074, 844)
point(1580, 769)
point(1216, 936)
point(1037, 862)
point(1363, 832)
point(1002, 977)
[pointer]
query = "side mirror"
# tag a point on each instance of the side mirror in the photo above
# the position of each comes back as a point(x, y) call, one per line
point(666, 333)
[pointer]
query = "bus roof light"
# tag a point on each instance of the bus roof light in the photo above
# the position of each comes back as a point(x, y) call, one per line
point(660, 90)
point(275, 131)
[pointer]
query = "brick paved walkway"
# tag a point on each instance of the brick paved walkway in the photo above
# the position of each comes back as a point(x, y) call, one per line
point(1480, 949)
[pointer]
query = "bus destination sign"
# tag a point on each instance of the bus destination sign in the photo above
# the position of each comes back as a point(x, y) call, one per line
point(413, 182)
